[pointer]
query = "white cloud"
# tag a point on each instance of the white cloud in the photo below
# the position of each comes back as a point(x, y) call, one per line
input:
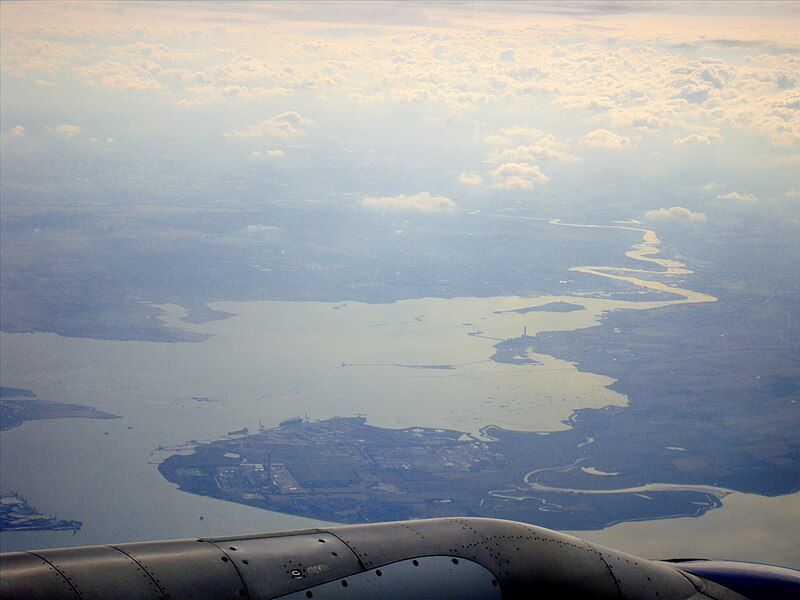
point(698, 138)
point(616, 75)
point(260, 228)
point(792, 192)
point(533, 134)
point(470, 178)
point(18, 130)
point(110, 140)
point(284, 125)
point(711, 185)
point(676, 213)
point(268, 154)
point(603, 138)
point(522, 131)
point(68, 131)
point(531, 154)
point(421, 202)
point(738, 196)
point(518, 176)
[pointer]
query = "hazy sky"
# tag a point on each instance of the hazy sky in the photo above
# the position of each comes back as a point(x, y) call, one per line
point(681, 112)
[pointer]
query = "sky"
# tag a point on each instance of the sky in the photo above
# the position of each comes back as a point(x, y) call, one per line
point(679, 112)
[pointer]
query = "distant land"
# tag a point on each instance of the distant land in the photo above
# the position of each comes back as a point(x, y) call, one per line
point(514, 351)
point(60, 294)
point(17, 515)
point(560, 307)
point(18, 405)
point(12, 392)
point(344, 470)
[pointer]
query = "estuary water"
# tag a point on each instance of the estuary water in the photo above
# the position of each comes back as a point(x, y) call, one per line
point(422, 362)
point(405, 364)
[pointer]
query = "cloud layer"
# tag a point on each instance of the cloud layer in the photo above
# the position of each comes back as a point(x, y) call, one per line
point(738, 197)
point(422, 202)
point(676, 213)
point(603, 138)
point(284, 125)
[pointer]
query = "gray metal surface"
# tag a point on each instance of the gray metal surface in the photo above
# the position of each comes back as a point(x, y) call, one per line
point(273, 566)
point(24, 575)
point(456, 556)
point(186, 569)
point(752, 580)
point(640, 578)
point(121, 573)
point(440, 577)
point(523, 557)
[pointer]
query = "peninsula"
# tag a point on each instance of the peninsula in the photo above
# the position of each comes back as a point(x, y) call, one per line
point(344, 470)
point(18, 405)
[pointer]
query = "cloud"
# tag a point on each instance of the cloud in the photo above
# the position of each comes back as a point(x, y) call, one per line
point(421, 202)
point(792, 192)
point(470, 178)
point(645, 77)
point(517, 176)
point(676, 213)
point(738, 196)
point(284, 125)
point(18, 130)
point(522, 131)
point(68, 131)
point(603, 138)
point(531, 154)
point(260, 228)
point(698, 138)
point(268, 154)
point(507, 134)
point(711, 185)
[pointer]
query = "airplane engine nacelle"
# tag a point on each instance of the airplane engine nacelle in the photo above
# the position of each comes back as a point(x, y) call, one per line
point(436, 558)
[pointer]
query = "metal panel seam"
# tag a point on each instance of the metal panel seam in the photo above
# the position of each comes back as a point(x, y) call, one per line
point(64, 577)
point(358, 558)
point(143, 568)
point(610, 572)
point(233, 562)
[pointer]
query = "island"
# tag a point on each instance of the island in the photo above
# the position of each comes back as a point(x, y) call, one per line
point(514, 351)
point(17, 515)
point(342, 469)
point(560, 307)
point(18, 405)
